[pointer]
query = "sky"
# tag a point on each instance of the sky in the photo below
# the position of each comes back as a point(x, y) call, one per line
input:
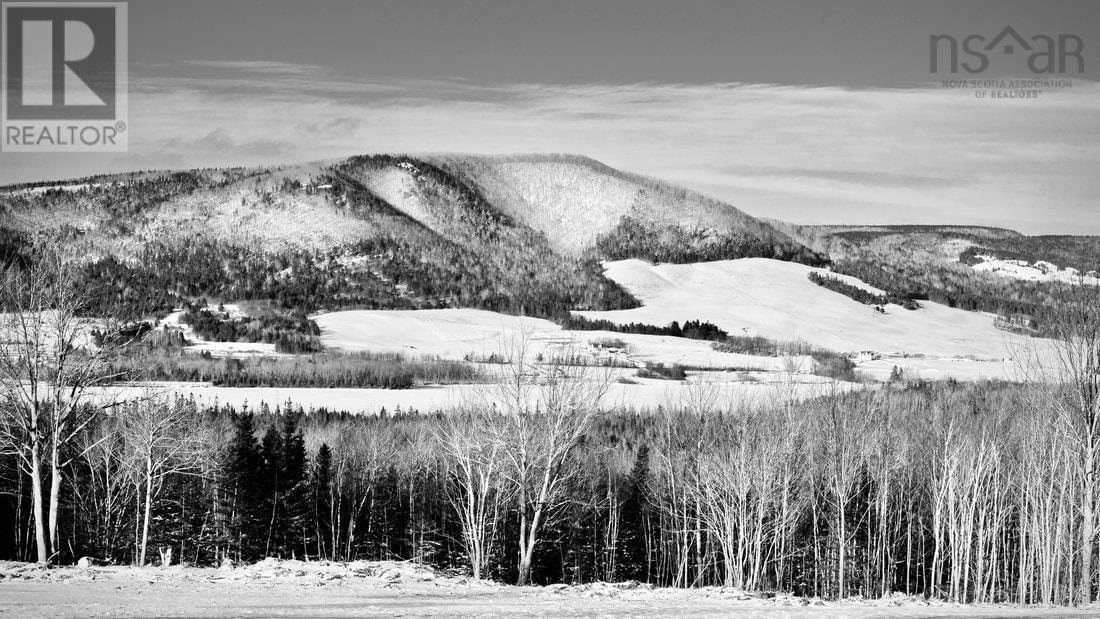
point(807, 111)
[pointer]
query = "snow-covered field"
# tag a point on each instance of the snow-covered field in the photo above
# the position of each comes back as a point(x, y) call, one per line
point(757, 296)
point(745, 297)
point(475, 334)
point(274, 588)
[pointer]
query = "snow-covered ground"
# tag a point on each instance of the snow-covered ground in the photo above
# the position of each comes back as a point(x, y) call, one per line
point(476, 334)
point(274, 588)
point(757, 296)
point(745, 297)
point(1040, 271)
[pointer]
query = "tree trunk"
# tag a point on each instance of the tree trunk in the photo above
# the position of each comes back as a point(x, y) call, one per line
point(524, 567)
point(526, 552)
point(1087, 523)
point(39, 507)
point(55, 496)
point(148, 509)
point(524, 558)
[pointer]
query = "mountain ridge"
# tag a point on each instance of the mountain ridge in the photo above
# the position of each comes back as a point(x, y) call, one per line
point(378, 232)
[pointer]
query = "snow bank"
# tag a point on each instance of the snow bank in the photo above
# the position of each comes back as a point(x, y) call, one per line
point(386, 588)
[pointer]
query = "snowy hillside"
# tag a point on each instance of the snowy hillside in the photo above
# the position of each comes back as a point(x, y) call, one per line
point(575, 199)
point(756, 296)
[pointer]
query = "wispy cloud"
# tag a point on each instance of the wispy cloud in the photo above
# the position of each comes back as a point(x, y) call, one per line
point(267, 67)
point(812, 154)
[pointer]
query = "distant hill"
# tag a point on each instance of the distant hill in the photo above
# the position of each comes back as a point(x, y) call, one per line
point(936, 262)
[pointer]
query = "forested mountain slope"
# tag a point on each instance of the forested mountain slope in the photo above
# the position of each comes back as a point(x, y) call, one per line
point(521, 235)
point(579, 202)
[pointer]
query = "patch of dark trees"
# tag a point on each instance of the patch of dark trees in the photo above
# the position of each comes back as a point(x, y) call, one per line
point(663, 372)
point(691, 329)
point(291, 332)
point(329, 370)
point(858, 294)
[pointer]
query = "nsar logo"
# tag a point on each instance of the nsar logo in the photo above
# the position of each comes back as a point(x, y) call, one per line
point(1042, 53)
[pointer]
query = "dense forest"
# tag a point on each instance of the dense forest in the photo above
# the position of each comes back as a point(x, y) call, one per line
point(953, 491)
point(635, 238)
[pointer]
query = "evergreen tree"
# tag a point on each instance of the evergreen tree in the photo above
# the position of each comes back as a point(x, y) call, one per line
point(242, 485)
point(320, 484)
point(293, 488)
point(632, 560)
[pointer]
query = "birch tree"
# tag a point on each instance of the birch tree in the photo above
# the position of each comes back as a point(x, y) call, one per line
point(163, 439)
point(475, 458)
point(548, 407)
point(50, 368)
point(1077, 363)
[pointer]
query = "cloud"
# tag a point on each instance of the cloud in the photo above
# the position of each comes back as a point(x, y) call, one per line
point(258, 66)
point(810, 154)
point(219, 141)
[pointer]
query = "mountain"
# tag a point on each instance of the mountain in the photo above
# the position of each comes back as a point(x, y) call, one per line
point(521, 235)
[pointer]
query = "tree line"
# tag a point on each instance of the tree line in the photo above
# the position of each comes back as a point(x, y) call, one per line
point(330, 369)
point(691, 329)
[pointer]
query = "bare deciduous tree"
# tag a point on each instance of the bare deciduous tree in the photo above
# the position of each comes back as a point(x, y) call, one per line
point(547, 407)
point(476, 461)
point(1077, 351)
point(163, 438)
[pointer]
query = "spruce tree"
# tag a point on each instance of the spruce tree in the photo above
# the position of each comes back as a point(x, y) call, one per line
point(242, 486)
point(632, 562)
point(319, 484)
